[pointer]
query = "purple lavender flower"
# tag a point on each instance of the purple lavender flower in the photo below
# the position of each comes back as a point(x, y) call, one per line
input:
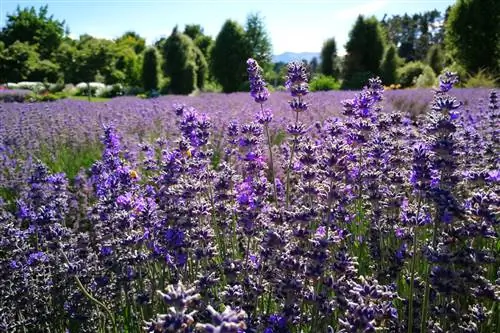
point(258, 88)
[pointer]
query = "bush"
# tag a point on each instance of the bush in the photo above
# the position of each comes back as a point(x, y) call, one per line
point(409, 73)
point(111, 91)
point(212, 87)
point(56, 87)
point(482, 79)
point(460, 70)
point(33, 86)
point(70, 89)
point(323, 82)
point(357, 79)
point(12, 85)
point(435, 58)
point(82, 88)
point(133, 91)
point(47, 97)
point(14, 95)
point(427, 79)
point(164, 85)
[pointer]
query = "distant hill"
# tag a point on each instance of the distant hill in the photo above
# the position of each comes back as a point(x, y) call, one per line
point(290, 56)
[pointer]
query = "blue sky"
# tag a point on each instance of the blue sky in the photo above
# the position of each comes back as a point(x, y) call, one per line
point(296, 26)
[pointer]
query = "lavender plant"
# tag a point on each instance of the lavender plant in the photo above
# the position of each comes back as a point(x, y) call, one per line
point(364, 216)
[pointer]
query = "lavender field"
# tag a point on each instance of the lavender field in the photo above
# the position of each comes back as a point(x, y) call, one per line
point(352, 211)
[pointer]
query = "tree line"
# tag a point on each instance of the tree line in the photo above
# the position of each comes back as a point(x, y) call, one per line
point(466, 38)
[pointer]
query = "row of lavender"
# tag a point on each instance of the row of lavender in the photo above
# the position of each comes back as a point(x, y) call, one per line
point(361, 223)
point(45, 130)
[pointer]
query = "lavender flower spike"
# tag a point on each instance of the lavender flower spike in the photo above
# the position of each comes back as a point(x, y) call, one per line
point(258, 88)
point(229, 321)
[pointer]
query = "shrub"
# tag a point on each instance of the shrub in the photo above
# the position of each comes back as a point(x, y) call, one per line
point(211, 86)
point(33, 86)
point(435, 58)
point(409, 73)
point(14, 95)
point(460, 70)
point(47, 97)
point(56, 87)
point(164, 85)
point(70, 89)
point(482, 79)
point(110, 91)
point(82, 88)
point(357, 79)
point(323, 83)
point(133, 91)
point(427, 79)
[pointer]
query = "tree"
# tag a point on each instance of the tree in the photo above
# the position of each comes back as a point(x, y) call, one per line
point(150, 69)
point(65, 57)
point(193, 31)
point(180, 62)
point(93, 56)
point(18, 61)
point(202, 41)
point(132, 40)
point(389, 66)
point(314, 65)
point(414, 34)
point(435, 58)
point(329, 58)
point(472, 34)
point(201, 68)
point(35, 28)
point(205, 44)
point(128, 58)
point(229, 55)
point(365, 49)
point(258, 39)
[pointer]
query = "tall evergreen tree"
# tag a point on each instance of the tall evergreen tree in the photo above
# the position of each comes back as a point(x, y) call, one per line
point(229, 55)
point(435, 58)
point(314, 65)
point(150, 69)
point(389, 66)
point(201, 68)
point(193, 30)
point(258, 39)
point(365, 49)
point(202, 41)
point(180, 62)
point(472, 34)
point(329, 58)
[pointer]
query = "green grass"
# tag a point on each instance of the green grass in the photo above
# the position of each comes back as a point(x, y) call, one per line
point(92, 99)
point(70, 160)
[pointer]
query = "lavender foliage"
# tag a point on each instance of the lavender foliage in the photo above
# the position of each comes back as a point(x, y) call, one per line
point(280, 212)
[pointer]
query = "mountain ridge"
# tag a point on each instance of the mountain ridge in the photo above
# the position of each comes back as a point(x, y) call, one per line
point(286, 57)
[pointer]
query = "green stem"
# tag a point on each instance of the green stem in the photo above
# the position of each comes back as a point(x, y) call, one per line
point(413, 264)
point(425, 304)
point(92, 298)
point(271, 165)
point(290, 163)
